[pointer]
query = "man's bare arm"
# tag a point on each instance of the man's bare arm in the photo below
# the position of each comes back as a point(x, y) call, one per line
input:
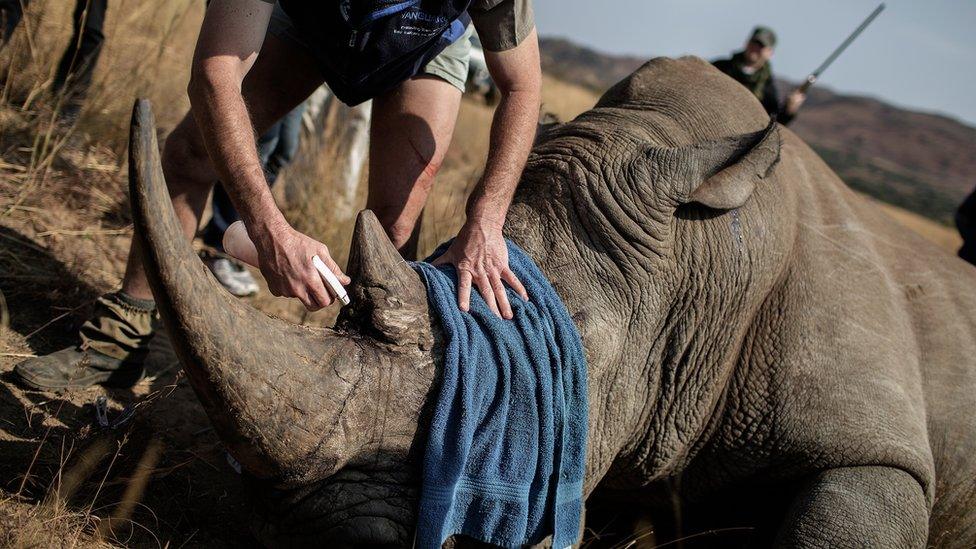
point(518, 75)
point(479, 252)
point(230, 41)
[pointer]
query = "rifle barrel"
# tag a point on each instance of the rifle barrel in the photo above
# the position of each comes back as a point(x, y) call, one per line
point(840, 49)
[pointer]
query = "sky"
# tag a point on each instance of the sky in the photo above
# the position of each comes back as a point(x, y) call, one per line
point(918, 53)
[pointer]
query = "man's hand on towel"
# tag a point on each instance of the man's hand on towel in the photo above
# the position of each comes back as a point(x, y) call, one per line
point(480, 256)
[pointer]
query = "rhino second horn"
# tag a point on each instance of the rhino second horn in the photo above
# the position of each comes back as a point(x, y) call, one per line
point(389, 301)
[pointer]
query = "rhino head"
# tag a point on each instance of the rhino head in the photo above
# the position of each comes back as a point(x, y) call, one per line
point(328, 423)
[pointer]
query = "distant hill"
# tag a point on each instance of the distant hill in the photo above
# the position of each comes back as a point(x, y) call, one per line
point(922, 162)
point(925, 163)
point(583, 66)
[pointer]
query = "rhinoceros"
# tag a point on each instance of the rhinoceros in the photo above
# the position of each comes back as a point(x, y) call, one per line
point(766, 349)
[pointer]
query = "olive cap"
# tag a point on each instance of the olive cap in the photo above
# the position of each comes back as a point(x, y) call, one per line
point(764, 35)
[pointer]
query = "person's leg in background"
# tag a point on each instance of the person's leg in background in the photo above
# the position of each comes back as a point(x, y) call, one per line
point(11, 12)
point(412, 128)
point(77, 65)
point(276, 149)
point(285, 146)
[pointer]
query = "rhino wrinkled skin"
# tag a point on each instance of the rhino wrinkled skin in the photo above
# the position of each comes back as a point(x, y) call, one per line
point(767, 351)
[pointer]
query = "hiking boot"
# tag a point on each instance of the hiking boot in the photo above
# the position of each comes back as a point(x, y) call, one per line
point(114, 345)
point(230, 274)
point(74, 368)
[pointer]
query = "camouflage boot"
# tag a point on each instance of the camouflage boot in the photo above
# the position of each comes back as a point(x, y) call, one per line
point(114, 345)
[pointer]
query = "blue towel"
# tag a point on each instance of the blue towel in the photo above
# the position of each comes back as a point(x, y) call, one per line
point(504, 462)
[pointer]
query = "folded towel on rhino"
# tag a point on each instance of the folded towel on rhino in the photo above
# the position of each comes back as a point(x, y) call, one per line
point(505, 453)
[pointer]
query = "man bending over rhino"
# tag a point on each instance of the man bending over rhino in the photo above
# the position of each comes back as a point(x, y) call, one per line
point(254, 62)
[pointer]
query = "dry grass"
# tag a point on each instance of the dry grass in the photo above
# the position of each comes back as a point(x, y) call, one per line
point(144, 55)
point(23, 525)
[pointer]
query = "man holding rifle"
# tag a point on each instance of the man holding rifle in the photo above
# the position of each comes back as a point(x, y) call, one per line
point(751, 67)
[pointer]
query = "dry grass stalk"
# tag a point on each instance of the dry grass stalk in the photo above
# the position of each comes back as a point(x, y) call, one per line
point(4, 317)
point(36, 527)
point(37, 452)
point(70, 478)
point(134, 490)
point(86, 232)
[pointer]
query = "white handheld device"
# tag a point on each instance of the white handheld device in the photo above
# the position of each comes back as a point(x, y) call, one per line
point(331, 280)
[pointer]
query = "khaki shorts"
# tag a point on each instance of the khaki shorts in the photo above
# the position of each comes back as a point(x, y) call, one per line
point(451, 65)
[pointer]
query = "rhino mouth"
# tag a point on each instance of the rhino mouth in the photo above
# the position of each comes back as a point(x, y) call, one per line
point(355, 508)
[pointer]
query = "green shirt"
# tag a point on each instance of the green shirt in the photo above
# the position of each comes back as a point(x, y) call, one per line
point(760, 82)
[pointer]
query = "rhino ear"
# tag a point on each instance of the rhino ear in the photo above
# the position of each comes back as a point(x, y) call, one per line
point(721, 174)
point(389, 302)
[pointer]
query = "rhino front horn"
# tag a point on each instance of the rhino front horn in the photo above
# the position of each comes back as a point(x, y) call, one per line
point(389, 302)
point(270, 388)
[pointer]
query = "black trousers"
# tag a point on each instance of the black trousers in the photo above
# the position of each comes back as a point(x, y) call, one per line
point(11, 12)
point(80, 57)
